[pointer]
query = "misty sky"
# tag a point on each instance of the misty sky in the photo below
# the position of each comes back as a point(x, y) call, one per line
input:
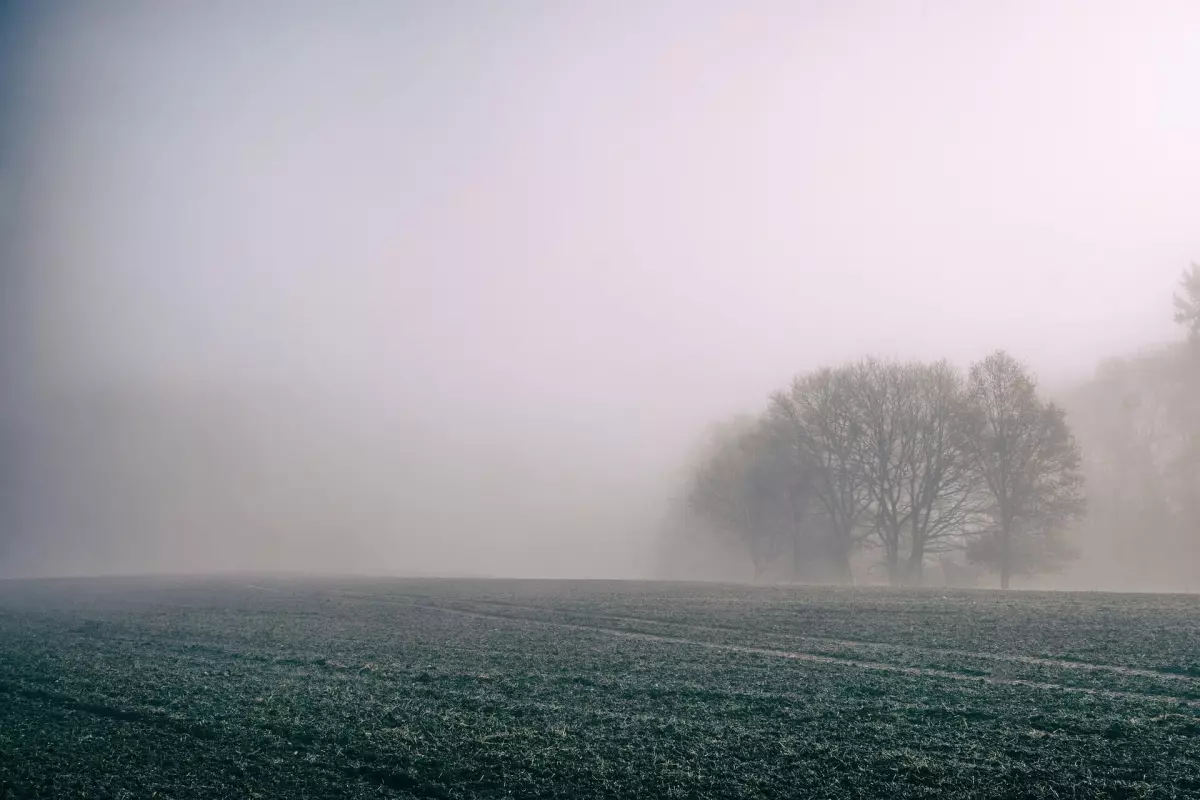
point(556, 239)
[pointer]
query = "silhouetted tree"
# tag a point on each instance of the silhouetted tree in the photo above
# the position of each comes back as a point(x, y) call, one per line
point(817, 415)
point(787, 480)
point(741, 488)
point(1029, 465)
point(923, 492)
point(944, 488)
point(883, 400)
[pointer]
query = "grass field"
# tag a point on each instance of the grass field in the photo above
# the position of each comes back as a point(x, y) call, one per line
point(411, 688)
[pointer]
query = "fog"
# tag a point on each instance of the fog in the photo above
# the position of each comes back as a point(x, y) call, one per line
point(453, 288)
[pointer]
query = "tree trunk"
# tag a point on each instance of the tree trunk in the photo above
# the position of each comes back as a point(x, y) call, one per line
point(840, 558)
point(916, 559)
point(797, 557)
point(1005, 556)
point(893, 565)
point(795, 542)
point(916, 568)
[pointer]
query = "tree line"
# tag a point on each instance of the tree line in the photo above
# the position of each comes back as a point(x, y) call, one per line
point(1139, 420)
point(908, 458)
point(906, 462)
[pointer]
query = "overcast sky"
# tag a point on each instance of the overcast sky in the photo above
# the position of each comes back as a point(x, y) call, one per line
point(585, 229)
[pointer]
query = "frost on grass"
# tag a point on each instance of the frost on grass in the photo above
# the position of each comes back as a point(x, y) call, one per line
point(494, 689)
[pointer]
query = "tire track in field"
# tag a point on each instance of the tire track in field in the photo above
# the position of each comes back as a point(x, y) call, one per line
point(879, 666)
point(266, 589)
point(1038, 661)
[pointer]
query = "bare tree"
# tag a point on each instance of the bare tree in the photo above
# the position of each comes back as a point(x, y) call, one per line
point(1029, 464)
point(944, 487)
point(786, 477)
point(818, 416)
point(883, 398)
point(742, 489)
point(924, 490)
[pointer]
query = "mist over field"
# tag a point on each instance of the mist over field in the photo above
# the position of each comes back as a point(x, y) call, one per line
point(461, 289)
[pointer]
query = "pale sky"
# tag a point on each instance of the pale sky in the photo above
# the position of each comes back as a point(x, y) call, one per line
point(565, 236)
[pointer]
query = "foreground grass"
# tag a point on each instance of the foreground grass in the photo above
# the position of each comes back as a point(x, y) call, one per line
point(362, 688)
